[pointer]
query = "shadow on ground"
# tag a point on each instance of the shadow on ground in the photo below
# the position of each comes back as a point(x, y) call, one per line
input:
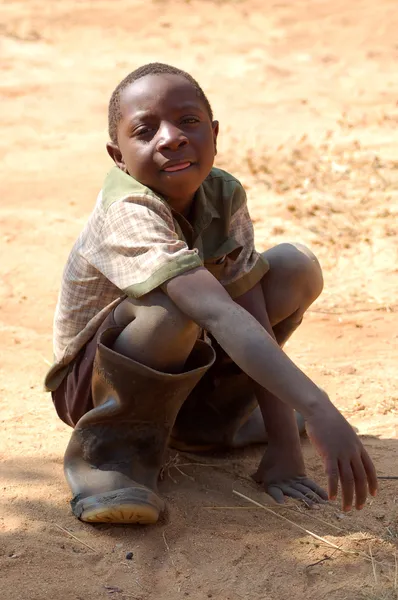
point(204, 516)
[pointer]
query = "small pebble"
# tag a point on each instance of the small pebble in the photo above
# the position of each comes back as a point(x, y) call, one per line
point(129, 556)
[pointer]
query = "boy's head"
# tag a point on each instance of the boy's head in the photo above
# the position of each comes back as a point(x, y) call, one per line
point(162, 130)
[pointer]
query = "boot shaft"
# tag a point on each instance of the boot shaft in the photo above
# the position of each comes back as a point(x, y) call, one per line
point(125, 435)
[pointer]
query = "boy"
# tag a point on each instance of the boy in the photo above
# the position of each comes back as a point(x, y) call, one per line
point(169, 324)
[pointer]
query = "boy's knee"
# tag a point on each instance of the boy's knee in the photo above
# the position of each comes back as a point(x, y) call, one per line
point(298, 265)
point(158, 314)
point(168, 320)
point(155, 332)
point(310, 269)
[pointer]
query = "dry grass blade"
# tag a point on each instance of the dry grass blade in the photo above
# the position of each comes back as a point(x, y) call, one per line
point(168, 549)
point(311, 533)
point(295, 510)
point(165, 542)
point(229, 507)
point(318, 537)
point(198, 464)
point(182, 473)
point(306, 513)
point(74, 537)
point(373, 564)
point(322, 560)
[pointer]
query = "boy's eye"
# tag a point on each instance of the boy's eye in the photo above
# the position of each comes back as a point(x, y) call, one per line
point(190, 120)
point(142, 131)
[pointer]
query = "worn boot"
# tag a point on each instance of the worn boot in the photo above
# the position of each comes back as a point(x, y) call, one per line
point(220, 407)
point(216, 409)
point(115, 455)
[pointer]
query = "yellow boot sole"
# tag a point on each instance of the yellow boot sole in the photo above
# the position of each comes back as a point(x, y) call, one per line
point(134, 505)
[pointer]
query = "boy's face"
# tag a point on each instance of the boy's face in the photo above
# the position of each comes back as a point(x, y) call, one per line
point(166, 139)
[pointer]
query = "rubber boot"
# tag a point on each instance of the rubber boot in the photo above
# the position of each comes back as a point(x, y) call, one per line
point(115, 455)
point(219, 405)
point(222, 403)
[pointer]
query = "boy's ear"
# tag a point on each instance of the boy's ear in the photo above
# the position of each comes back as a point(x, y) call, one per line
point(116, 155)
point(216, 128)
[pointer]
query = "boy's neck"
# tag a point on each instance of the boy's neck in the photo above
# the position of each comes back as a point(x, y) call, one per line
point(182, 205)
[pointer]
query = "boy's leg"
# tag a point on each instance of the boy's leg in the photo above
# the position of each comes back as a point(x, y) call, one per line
point(292, 284)
point(143, 371)
point(222, 410)
point(155, 332)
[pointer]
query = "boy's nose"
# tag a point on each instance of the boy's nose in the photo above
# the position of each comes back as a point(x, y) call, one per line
point(171, 138)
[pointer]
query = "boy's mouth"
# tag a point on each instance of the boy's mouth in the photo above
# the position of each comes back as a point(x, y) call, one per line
point(171, 168)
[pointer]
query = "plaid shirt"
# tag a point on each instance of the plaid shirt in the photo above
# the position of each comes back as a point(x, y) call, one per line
point(134, 242)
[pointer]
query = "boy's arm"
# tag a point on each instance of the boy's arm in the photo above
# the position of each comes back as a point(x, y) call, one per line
point(282, 470)
point(278, 416)
point(203, 299)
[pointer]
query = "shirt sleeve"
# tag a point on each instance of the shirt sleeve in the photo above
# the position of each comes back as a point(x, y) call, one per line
point(138, 249)
point(242, 273)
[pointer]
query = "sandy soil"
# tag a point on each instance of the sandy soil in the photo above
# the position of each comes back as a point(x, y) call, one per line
point(306, 93)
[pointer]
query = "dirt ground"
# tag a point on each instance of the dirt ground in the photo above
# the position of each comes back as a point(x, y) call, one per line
point(306, 93)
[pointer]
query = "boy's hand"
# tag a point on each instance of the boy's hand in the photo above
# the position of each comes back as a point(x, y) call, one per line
point(344, 457)
point(243, 337)
point(282, 474)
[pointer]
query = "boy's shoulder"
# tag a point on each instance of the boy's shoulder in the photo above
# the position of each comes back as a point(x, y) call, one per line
point(220, 187)
point(118, 185)
point(219, 177)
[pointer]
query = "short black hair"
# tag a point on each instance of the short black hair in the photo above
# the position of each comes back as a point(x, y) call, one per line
point(149, 69)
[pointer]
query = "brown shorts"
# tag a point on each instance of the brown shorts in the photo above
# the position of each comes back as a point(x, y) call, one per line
point(72, 399)
point(223, 381)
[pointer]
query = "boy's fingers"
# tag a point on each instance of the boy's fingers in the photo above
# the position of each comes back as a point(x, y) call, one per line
point(293, 492)
point(276, 493)
point(361, 484)
point(316, 488)
point(332, 472)
point(305, 490)
point(347, 484)
point(308, 493)
point(370, 472)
